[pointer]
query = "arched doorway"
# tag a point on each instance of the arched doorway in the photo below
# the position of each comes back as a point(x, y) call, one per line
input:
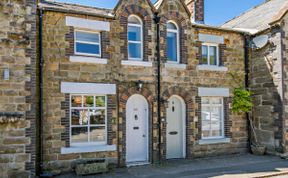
point(176, 128)
point(137, 114)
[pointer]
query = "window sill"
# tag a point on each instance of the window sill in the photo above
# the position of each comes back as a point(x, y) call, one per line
point(214, 141)
point(88, 149)
point(86, 59)
point(212, 68)
point(137, 63)
point(175, 66)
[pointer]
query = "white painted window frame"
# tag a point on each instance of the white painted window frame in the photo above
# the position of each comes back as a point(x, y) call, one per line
point(208, 59)
point(135, 42)
point(88, 125)
point(177, 41)
point(85, 42)
point(222, 117)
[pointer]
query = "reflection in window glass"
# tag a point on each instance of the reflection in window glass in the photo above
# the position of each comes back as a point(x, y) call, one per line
point(212, 119)
point(88, 119)
point(87, 43)
point(209, 55)
point(135, 38)
point(172, 42)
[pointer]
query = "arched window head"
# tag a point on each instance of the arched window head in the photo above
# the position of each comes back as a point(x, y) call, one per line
point(172, 44)
point(135, 38)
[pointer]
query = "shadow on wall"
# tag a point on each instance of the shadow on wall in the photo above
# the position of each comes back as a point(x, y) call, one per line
point(265, 84)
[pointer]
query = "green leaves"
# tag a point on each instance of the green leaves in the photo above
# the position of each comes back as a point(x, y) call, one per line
point(242, 101)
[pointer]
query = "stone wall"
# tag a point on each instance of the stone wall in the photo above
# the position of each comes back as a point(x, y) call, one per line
point(266, 85)
point(184, 82)
point(17, 101)
point(284, 45)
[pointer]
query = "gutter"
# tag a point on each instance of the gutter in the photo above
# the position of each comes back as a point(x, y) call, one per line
point(40, 74)
point(247, 40)
point(158, 92)
point(45, 8)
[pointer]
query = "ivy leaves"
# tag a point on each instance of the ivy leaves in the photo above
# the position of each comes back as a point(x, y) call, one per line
point(242, 101)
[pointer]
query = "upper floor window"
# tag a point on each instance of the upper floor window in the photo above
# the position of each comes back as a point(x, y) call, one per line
point(212, 117)
point(87, 43)
point(172, 42)
point(135, 38)
point(88, 119)
point(210, 54)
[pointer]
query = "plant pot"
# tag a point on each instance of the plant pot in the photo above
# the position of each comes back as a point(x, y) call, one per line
point(258, 150)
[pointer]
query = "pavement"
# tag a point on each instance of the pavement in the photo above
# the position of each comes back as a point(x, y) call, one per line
point(232, 166)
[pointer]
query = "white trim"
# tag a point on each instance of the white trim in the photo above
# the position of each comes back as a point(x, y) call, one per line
point(177, 40)
point(85, 59)
point(137, 63)
point(211, 38)
point(175, 66)
point(84, 42)
point(208, 53)
point(88, 149)
point(212, 68)
point(214, 141)
point(135, 42)
point(87, 24)
point(217, 92)
point(88, 88)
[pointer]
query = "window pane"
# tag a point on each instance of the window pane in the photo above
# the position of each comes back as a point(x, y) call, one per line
point(205, 100)
point(171, 26)
point(134, 50)
point(205, 129)
point(213, 55)
point(88, 37)
point(87, 48)
point(216, 101)
point(79, 135)
point(134, 20)
point(79, 117)
point(100, 101)
point(97, 116)
point(172, 46)
point(134, 33)
point(204, 59)
point(216, 121)
point(76, 101)
point(97, 134)
point(88, 101)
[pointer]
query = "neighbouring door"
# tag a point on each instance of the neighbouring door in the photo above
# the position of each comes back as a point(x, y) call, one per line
point(175, 128)
point(137, 129)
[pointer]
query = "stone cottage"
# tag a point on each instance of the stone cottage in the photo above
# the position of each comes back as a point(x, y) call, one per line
point(268, 26)
point(137, 84)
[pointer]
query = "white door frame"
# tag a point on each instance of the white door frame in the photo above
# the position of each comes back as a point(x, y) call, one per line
point(147, 128)
point(183, 106)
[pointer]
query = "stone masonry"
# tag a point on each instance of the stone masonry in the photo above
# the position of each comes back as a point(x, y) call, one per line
point(18, 93)
point(58, 45)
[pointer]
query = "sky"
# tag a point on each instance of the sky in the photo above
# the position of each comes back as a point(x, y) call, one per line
point(216, 11)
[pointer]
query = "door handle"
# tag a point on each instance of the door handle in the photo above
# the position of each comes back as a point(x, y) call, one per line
point(144, 136)
point(173, 133)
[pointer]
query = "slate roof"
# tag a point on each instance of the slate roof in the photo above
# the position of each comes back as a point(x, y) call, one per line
point(76, 8)
point(257, 18)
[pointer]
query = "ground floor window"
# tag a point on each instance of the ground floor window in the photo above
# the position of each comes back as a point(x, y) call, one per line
point(88, 119)
point(212, 117)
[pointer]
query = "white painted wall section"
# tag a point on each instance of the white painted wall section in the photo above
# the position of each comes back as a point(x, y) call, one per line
point(223, 92)
point(87, 24)
point(211, 38)
point(88, 88)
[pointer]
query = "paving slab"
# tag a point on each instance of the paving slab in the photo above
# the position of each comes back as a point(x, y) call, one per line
point(233, 166)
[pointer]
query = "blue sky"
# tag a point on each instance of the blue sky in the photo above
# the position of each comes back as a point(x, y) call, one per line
point(216, 11)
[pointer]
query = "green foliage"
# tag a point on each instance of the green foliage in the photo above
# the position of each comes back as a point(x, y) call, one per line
point(242, 101)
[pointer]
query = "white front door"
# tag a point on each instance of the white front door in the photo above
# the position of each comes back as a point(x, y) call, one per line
point(175, 133)
point(136, 129)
